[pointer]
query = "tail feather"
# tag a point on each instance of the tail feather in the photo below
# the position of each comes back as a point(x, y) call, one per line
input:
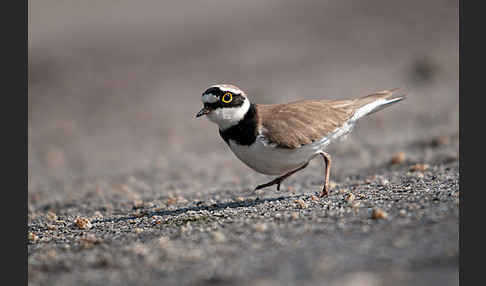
point(372, 103)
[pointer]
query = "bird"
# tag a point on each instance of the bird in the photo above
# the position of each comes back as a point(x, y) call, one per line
point(281, 139)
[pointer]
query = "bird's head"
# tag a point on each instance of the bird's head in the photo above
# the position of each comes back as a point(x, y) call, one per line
point(224, 104)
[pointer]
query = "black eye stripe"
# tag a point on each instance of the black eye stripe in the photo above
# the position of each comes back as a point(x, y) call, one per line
point(236, 100)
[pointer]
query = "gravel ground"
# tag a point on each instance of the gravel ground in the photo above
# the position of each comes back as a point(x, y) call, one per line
point(397, 223)
point(127, 188)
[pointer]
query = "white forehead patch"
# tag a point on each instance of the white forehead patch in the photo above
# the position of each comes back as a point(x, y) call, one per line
point(209, 98)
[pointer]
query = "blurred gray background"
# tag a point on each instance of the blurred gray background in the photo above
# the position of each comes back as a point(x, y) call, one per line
point(114, 85)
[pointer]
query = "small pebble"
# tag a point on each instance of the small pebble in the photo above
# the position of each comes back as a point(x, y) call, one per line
point(33, 237)
point(97, 214)
point(350, 198)
point(51, 216)
point(419, 167)
point(398, 158)
point(83, 223)
point(379, 214)
point(301, 203)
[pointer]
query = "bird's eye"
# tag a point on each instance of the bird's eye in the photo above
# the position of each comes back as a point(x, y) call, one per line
point(227, 97)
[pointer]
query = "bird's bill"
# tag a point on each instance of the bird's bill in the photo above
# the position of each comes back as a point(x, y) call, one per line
point(203, 111)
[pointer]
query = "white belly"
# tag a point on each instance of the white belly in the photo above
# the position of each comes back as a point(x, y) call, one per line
point(269, 160)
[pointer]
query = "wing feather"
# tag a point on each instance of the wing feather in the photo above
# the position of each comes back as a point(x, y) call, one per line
point(294, 124)
point(298, 123)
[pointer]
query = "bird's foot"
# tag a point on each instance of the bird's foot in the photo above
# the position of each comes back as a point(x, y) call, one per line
point(325, 191)
point(277, 182)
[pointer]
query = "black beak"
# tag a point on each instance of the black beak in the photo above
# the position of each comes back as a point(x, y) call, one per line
point(203, 111)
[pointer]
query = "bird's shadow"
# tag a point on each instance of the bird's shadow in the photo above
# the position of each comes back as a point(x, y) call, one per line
point(212, 207)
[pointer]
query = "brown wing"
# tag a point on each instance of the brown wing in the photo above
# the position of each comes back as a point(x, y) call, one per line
point(298, 123)
point(302, 122)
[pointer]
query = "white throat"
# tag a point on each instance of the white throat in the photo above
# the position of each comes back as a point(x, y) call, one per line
point(229, 116)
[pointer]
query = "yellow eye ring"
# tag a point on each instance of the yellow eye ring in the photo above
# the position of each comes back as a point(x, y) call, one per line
point(225, 97)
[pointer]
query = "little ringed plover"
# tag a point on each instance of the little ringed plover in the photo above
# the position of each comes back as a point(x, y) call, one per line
point(281, 139)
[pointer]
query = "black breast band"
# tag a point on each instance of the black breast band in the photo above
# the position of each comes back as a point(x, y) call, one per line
point(245, 132)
